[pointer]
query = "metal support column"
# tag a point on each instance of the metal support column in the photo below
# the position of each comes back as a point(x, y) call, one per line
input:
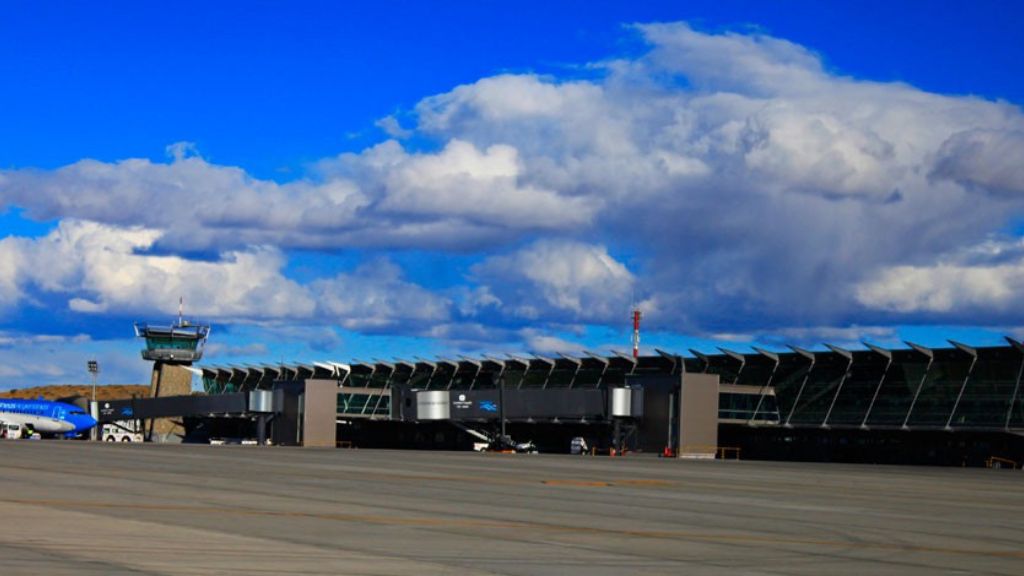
point(703, 358)
point(604, 367)
point(526, 369)
point(501, 406)
point(551, 370)
point(479, 365)
point(433, 370)
point(387, 388)
point(849, 364)
point(1016, 388)
point(739, 357)
point(799, 393)
point(455, 372)
point(931, 359)
point(974, 360)
point(369, 382)
point(578, 364)
point(501, 367)
point(628, 358)
point(888, 362)
point(347, 368)
point(771, 377)
point(261, 429)
point(675, 360)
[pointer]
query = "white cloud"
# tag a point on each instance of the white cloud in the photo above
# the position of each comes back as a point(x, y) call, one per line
point(944, 288)
point(733, 62)
point(375, 297)
point(217, 350)
point(31, 371)
point(100, 268)
point(197, 205)
point(508, 97)
point(850, 337)
point(10, 339)
point(541, 343)
point(980, 283)
point(755, 187)
point(570, 279)
point(181, 150)
point(103, 269)
point(753, 183)
point(10, 268)
point(391, 127)
point(990, 160)
point(464, 182)
point(28, 359)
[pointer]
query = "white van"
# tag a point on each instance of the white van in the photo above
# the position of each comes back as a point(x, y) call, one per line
point(11, 431)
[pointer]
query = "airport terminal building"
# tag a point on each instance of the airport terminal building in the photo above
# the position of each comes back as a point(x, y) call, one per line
point(956, 405)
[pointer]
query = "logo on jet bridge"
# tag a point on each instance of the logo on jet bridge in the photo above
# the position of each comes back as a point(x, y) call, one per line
point(462, 403)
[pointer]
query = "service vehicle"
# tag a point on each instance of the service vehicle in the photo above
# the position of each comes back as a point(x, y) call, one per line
point(121, 431)
point(11, 430)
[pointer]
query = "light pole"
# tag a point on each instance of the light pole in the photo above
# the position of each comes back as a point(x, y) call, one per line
point(94, 369)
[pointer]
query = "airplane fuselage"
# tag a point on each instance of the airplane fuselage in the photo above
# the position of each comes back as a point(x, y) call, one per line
point(46, 417)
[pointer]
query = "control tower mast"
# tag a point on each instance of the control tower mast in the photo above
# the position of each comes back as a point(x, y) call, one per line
point(171, 349)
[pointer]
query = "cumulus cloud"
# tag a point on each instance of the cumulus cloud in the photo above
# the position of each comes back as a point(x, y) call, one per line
point(11, 263)
point(104, 269)
point(568, 279)
point(814, 336)
point(982, 283)
point(732, 62)
point(756, 188)
point(943, 288)
point(28, 360)
point(215, 350)
point(385, 196)
point(181, 150)
point(101, 269)
point(462, 183)
point(989, 160)
point(391, 127)
point(977, 280)
point(196, 205)
point(375, 297)
point(542, 343)
point(13, 339)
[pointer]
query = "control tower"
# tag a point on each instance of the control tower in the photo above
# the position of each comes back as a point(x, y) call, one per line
point(171, 349)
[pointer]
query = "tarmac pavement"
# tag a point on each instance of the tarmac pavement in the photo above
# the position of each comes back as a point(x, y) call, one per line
point(97, 509)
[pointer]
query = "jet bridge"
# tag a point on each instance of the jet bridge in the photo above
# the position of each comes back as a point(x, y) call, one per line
point(292, 413)
point(648, 413)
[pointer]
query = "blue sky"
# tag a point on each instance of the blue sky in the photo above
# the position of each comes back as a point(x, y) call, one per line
point(325, 181)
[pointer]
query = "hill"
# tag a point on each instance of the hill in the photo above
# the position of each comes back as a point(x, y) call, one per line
point(105, 392)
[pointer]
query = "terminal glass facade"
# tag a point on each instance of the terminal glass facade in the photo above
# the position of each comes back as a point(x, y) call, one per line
point(908, 388)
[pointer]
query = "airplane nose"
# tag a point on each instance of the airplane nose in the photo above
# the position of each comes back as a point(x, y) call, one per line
point(85, 423)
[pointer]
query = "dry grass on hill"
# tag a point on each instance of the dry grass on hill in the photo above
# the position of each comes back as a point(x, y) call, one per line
point(105, 392)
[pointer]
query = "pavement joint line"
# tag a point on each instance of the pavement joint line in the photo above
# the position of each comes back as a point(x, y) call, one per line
point(736, 538)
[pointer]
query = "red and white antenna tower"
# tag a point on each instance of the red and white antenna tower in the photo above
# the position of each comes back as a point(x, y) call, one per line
point(636, 332)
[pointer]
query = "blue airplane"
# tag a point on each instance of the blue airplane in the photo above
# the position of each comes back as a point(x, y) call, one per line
point(46, 417)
